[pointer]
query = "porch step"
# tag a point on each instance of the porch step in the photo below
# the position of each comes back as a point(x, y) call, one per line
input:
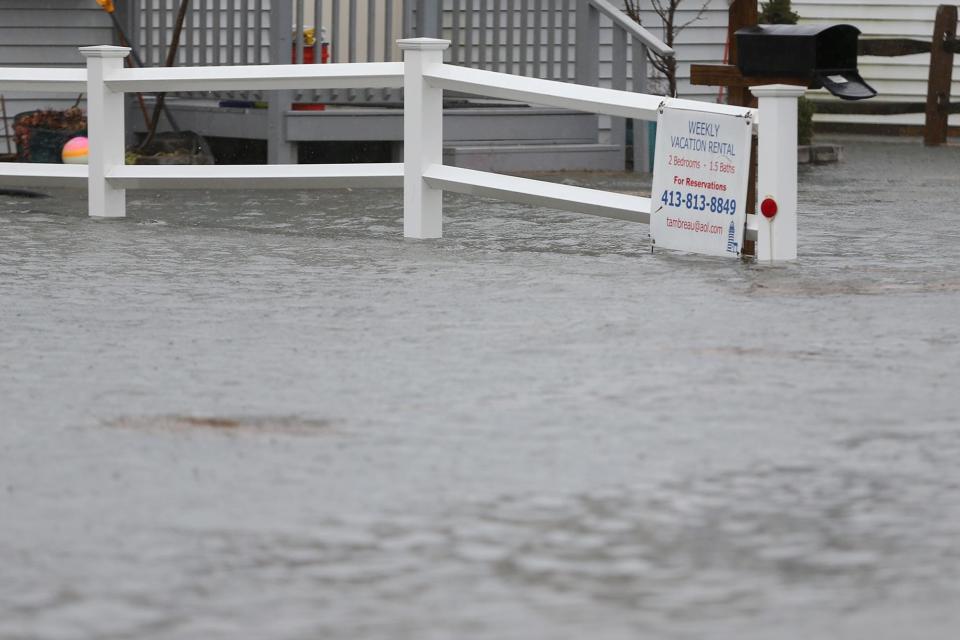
point(486, 138)
point(466, 126)
point(536, 157)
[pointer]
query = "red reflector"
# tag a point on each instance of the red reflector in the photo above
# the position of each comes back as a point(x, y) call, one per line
point(768, 207)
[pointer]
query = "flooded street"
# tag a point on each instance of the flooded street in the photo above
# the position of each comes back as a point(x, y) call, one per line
point(266, 415)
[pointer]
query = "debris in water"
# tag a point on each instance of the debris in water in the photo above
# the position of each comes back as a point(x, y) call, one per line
point(22, 193)
point(264, 424)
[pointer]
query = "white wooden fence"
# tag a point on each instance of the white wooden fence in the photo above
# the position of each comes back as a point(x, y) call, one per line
point(423, 176)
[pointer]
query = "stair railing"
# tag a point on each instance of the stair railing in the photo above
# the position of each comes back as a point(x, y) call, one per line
point(553, 40)
point(625, 30)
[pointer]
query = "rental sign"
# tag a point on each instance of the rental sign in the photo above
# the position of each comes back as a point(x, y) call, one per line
point(699, 195)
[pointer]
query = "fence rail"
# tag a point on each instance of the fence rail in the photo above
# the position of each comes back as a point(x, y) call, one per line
point(43, 79)
point(563, 95)
point(938, 107)
point(260, 77)
point(422, 174)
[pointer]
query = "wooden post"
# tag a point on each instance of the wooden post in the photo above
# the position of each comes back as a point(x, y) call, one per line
point(941, 71)
point(742, 13)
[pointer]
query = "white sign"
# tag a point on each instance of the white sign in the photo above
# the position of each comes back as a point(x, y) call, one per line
point(699, 196)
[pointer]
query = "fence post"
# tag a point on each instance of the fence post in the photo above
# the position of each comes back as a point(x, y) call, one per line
point(641, 139)
point(941, 74)
point(422, 138)
point(618, 80)
point(105, 130)
point(777, 177)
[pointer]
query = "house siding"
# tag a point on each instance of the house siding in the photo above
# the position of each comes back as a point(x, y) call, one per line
point(46, 33)
point(702, 42)
point(900, 79)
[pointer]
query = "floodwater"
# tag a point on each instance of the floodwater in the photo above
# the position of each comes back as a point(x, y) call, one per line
point(266, 415)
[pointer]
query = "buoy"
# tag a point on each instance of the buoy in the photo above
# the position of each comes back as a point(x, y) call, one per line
point(75, 151)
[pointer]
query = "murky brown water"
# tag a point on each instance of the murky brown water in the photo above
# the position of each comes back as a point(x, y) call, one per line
point(265, 415)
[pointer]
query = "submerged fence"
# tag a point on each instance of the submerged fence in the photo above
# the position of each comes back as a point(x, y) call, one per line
point(422, 175)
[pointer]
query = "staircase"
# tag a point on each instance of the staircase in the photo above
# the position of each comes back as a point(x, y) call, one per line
point(557, 40)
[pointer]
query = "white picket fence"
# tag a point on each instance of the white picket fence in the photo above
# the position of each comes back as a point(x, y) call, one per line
point(422, 174)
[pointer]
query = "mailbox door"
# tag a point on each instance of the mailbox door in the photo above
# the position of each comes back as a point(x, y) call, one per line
point(846, 84)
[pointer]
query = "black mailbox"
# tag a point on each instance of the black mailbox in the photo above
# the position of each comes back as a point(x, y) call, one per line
point(823, 55)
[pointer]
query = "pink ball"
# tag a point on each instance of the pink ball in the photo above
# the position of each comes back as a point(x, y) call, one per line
point(75, 151)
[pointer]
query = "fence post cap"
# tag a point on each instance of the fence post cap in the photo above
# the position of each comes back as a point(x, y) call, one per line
point(104, 51)
point(778, 91)
point(423, 44)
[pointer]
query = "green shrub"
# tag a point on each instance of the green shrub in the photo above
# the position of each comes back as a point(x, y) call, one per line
point(777, 12)
point(805, 111)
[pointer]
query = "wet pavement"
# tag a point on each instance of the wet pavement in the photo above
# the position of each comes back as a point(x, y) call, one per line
point(266, 415)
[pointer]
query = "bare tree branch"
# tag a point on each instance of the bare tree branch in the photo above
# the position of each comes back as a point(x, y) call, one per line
point(666, 11)
point(694, 18)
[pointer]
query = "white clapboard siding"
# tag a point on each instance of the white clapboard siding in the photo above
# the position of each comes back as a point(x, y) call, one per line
point(702, 42)
point(46, 33)
point(900, 79)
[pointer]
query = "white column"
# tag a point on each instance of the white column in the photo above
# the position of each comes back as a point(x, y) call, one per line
point(422, 138)
point(777, 171)
point(105, 131)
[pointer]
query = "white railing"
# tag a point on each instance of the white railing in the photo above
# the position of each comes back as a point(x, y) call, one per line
point(423, 176)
